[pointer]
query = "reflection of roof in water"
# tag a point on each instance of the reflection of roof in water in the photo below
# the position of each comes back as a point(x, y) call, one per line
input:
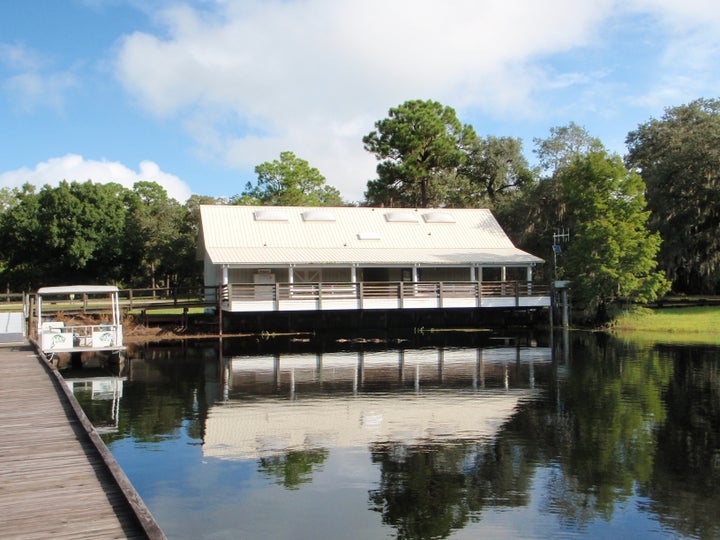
point(248, 430)
point(252, 429)
point(260, 426)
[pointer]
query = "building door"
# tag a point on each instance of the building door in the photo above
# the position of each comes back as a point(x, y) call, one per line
point(307, 275)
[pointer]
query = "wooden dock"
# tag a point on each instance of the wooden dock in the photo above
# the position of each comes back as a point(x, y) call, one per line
point(57, 478)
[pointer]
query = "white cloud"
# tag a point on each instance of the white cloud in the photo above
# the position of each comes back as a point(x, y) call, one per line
point(33, 90)
point(31, 86)
point(18, 56)
point(74, 167)
point(251, 79)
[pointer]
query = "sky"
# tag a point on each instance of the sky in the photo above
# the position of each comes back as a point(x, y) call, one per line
point(195, 94)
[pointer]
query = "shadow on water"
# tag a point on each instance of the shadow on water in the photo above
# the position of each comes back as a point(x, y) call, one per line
point(421, 436)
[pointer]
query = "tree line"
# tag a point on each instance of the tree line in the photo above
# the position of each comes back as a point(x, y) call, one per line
point(638, 224)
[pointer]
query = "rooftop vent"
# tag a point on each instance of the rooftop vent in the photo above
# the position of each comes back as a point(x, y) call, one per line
point(318, 215)
point(438, 217)
point(368, 235)
point(401, 217)
point(271, 215)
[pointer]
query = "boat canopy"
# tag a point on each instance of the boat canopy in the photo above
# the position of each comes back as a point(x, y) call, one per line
point(78, 289)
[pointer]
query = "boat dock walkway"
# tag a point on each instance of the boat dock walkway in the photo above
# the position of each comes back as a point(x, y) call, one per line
point(57, 478)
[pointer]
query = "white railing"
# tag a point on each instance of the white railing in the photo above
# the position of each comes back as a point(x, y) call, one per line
point(383, 295)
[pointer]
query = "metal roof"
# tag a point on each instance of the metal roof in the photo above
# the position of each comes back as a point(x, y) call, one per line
point(256, 235)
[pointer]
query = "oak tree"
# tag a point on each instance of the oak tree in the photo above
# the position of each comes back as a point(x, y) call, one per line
point(678, 156)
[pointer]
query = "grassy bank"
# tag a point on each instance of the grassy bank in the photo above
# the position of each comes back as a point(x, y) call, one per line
point(688, 324)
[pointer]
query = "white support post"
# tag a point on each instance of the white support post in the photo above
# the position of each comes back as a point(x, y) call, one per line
point(225, 282)
point(529, 279)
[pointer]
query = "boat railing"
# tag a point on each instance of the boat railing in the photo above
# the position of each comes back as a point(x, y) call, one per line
point(58, 336)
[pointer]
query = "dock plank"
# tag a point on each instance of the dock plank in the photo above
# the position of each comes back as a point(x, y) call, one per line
point(54, 480)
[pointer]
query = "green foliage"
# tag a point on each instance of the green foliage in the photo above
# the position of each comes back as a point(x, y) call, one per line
point(679, 159)
point(160, 242)
point(420, 147)
point(289, 181)
point(95, 233)
point(611, 256)
point(19, 240)
point(70, 233)
point(496, 166)
point(564, 144)
point(8, 198)
point(542, 203)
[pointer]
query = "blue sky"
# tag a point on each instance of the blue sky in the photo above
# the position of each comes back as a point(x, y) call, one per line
point(195, 94)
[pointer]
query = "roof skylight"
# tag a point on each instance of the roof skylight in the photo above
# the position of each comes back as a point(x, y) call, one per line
point(268, 214)
point(438, 217)
point(401, 217)
point(369, 235)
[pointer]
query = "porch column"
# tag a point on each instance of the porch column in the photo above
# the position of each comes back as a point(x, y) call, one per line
point(414, 273)
point(223, 293)
point(472, 273)
point(503, 273)
point(529, 279)
point(356, 287)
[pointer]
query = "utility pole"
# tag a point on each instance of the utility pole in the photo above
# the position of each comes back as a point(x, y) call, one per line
point(561, 236)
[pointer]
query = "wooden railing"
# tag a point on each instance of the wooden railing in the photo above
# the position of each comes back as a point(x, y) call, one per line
point(382, 295)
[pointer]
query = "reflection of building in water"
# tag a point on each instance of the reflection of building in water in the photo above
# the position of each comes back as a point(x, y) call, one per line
point(108, 389)
point(443, 398)
point(478, 368)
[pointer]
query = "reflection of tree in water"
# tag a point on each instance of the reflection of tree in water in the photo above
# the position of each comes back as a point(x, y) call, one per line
point(594, 434)
point(292, 468)
point(422, 489)
point(685, 488)
point(429, 491)
point(168, 389)
point(607, 414)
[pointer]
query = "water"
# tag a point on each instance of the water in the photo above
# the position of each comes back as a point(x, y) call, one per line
point(579, 436)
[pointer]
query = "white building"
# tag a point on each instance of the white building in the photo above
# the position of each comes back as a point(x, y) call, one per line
point(350, 258)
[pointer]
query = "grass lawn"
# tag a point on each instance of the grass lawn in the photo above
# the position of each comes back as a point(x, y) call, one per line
point(687, 324)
